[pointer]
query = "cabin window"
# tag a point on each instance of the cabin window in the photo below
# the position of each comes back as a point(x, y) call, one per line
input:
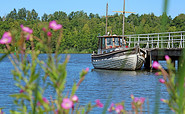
point(116, 41)
point(103, 43)
point(109, 42)
point(121, 41)
point(99, 43)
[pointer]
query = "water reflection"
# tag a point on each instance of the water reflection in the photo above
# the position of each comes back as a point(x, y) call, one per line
point(102, 72)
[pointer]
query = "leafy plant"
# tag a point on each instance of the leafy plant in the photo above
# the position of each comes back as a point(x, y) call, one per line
point(175, 84)
point(27, 73)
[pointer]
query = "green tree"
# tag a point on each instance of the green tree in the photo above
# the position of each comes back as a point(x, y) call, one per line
point(59, 15)
point(91, 15)
point(12, 14)
point(165, 22)
point(172, 29)
point(80, 30)
point(71, 15)
point(22, 14)
point(29, 16)
point(50, 17)
point(179, 22)
point(34, 15)
point(133, 19)
point(45, 17)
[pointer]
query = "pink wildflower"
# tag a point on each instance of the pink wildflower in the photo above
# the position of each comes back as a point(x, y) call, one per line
point(53, 25)
point(38, 103)
point(168, 60)
point(158, 73)
point(27, 36)
point(133, 106)
point(132, 96)
point(49, 34)
point(87, 69)
point(75, 98)
point(6, 39)
point(163, 100)
point(162, 80)
point(136, 99)
point(45, 100)
point(1, 112)
point(156, 65)
point(118, 109)
point(142, 100)
point(167, 57)
point(111, 107)
point(44, 29)
point(26, 29)
point(21, 91)
point(67, 103)
point(56, 112)
point(98, 103)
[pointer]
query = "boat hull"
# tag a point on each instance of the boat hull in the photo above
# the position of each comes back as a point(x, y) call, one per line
point(125, 59)
point(124, 62)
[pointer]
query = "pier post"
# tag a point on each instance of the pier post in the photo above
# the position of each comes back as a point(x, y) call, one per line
point(148, 60)
point(180, 46)
point(158, 41)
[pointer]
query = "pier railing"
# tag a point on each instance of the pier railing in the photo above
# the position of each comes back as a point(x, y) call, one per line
point(157, 40)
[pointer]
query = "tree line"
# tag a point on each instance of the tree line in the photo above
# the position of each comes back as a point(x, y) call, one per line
point(80, 30)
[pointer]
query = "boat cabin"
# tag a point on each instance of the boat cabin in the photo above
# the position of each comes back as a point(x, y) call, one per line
point(108, 44)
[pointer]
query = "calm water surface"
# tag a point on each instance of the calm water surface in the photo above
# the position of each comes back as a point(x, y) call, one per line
point(98, 84)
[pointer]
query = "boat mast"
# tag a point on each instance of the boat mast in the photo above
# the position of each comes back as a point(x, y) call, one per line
point(123, 34)
point(106, 18)
point(123, 23)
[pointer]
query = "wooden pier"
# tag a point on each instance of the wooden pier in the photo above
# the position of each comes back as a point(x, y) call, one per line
point(159, 54)
point(157, 45)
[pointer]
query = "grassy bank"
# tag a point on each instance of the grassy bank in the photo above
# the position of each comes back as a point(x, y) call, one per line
point(67, 51)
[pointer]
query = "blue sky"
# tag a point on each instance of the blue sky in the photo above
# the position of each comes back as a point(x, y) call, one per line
point(175, 8)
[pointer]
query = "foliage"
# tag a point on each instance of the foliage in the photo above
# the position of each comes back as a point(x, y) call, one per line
point(78, 34)
point(175, 84)
point(27, 73)
point(80, 30)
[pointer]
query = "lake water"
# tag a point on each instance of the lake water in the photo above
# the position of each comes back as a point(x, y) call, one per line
point(98, 84)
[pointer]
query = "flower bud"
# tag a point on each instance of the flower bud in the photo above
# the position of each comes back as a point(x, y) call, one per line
point(158, 73)
point(132, 96)
point(75, 98)
point(21, 91)
point(156, 65)
point(45, 100)
point(163, 100)
point(44, 29)
point(162, 81)
point(168, 60)
point(87, 69)
point(49, 34)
